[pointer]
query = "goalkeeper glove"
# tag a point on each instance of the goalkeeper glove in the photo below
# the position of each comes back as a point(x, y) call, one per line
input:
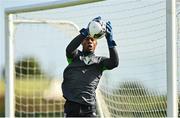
point(97, 19)
point(109, 35)
point(84, 32)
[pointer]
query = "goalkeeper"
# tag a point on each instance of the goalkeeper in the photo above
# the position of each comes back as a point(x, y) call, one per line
point(84, 71)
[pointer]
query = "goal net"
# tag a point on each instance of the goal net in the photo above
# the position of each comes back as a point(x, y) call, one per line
point(137, 88)
point(39, 62)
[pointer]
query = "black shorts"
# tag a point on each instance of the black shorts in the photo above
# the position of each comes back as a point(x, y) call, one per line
point(73, 109)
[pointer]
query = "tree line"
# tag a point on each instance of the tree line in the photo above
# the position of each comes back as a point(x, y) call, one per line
point(27, 66)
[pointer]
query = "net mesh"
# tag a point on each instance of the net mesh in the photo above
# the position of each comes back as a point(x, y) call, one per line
point(37, 83)
point(137, 88)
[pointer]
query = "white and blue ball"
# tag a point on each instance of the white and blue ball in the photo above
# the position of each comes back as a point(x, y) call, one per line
point(97, 29)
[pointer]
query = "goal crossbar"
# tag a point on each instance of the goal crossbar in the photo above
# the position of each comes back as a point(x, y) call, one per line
point(45, 21)
point(47, 5)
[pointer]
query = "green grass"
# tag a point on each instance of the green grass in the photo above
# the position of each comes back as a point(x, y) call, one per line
point(31, 86)
point(29, 98)
point(2, 94)
point(124, 104)
point(29, 92)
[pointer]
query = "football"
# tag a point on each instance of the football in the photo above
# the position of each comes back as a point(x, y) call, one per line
point(97, 29)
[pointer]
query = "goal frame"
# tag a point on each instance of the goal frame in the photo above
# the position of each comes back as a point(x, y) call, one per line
point(172, 106)
point(9, 43)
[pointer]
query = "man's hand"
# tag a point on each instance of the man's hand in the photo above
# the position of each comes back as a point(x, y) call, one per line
point(109, 35)
point(84, 32)
point(97, 18)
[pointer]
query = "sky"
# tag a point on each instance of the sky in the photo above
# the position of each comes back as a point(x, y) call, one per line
point(139, 30)
point(8, 4)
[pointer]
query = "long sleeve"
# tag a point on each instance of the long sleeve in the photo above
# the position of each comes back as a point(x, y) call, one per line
point(112, 62)
point(71, 49)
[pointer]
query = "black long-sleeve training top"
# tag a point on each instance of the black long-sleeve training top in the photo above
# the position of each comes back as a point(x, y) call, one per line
point(84, 71)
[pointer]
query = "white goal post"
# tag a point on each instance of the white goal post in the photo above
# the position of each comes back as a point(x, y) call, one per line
point(171, 42)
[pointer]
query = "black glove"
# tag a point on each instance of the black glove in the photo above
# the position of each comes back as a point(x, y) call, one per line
point(84, 32)
point(97, 19)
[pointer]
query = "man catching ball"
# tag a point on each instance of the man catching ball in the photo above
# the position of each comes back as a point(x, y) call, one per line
point(82, 75)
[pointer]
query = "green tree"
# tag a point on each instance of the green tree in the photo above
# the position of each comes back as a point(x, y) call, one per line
point(2, 73)
point(132, 88)
point(28, 66)
point(133, 99)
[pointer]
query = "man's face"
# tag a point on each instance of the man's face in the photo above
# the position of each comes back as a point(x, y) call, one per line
point(89, 44)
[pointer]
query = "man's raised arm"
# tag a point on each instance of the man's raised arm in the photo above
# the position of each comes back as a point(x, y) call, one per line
point(71, 49)
point(113, 61)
